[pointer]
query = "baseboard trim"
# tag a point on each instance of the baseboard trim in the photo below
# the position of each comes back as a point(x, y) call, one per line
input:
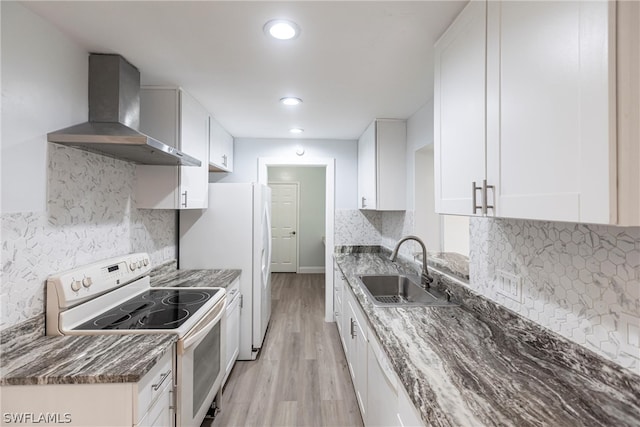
point(311, 270)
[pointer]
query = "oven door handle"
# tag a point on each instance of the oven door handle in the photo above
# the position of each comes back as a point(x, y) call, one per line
point(203, 327)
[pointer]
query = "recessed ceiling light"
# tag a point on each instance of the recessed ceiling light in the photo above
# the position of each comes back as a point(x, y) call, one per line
point(282, 29)
point(296, 130)
point(291, 101)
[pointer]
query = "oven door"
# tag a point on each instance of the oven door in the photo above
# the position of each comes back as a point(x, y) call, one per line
point(200, 367)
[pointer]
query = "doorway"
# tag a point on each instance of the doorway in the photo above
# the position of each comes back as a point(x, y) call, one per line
point(285, 198)
point(328, 164)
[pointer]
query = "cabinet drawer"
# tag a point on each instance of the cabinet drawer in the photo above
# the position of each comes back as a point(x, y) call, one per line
point(152, 385)
point(161, 412)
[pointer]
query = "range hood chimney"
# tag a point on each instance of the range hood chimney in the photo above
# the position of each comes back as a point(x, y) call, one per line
point(114, 118)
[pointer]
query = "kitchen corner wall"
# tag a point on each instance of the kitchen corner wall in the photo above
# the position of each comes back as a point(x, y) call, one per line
point(61, 207)
point(581, 281)
point(90, 217)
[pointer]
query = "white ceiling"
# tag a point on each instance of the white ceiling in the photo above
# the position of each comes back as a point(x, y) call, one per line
point(353, 61)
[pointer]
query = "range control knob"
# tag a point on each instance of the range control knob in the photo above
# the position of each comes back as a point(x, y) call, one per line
point(133, 266)
point(146, 262)
point(76, 285)
point(139, 264)
point(86, 282)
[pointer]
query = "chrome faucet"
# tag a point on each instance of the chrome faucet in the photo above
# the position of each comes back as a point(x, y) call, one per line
point(425, 278)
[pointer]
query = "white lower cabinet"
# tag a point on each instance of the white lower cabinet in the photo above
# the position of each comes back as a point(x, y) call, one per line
point(232, 343)
point(408, 415)
point(358, 346)
point(382, 388)
point(149, 402)
point(382, 399)
point(338, 305)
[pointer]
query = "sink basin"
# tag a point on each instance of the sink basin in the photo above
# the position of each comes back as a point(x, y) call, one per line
point(398, 290)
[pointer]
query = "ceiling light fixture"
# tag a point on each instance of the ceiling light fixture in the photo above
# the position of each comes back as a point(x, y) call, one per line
point(290, 100)
point(296, 130)
point(282, 29)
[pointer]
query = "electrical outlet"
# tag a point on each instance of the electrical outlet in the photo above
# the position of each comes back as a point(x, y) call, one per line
point(630, 331)
point(167, 253)
point(509, 285)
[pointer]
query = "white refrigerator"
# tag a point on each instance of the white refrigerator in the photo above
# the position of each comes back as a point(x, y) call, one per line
point(235, 233)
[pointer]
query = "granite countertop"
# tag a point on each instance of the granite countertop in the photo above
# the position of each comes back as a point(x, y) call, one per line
point(482, 365)
point(167, 275)
point(80, 359)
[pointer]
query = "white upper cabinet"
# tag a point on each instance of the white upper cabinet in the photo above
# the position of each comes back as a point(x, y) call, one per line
point(173, 116)
point(543, 124)
point(220, 148)
point(381, 166)
point(460, 109)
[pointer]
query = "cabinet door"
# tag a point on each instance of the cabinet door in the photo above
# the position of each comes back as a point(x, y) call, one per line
point(232, 342)
point(339, 304)
point(221, 148)
point(367, 177)
point(381, 388)
point(358, 357)
point(408, 415)
point(194, 139)
point(548, 98)
point(459, 107)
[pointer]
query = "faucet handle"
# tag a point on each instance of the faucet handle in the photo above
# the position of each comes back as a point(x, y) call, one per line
point(426, 280)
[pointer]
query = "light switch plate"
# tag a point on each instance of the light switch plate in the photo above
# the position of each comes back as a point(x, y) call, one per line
point(509, 285)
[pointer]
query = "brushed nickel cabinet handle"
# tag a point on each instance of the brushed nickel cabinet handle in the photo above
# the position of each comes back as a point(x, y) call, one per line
point(485, 198)
point(185, 198)
point(353, 329)
point(163, 377)
point(474, 201)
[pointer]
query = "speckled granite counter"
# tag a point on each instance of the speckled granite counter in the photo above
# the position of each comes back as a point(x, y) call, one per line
point(482, 365)
point(167, 275)
point(77, 359)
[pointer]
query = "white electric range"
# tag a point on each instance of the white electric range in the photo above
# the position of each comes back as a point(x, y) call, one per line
point(114, 296)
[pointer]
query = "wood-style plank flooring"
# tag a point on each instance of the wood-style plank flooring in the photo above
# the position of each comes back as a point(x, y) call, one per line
point(300, 377)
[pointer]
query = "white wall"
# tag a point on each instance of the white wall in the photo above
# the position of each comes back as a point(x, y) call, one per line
point(44, 88)
point(311, 209)
point(419, 135)
point(248, 150)
point(62, 207)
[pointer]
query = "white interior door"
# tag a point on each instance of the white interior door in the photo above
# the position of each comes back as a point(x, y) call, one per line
point(284, 227)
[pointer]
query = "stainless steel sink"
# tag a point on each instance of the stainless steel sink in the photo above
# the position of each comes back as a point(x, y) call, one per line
point(398, 290)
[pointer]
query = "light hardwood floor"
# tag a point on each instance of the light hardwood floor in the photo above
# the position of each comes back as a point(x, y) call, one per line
point(300, 377)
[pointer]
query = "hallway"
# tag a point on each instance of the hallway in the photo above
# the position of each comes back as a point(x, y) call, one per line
point(301, 377)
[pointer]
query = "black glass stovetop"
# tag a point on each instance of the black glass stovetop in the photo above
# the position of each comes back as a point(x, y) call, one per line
point(153, 309)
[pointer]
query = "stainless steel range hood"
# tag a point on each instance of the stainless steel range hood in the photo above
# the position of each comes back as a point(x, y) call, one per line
point(114, 117)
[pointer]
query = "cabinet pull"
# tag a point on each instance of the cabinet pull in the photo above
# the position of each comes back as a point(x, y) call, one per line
point(185, 198)
point(352, 329)
point(485, 198)
point(364, 204)
point(163, 377)
point(224, 159)
point(474, 201)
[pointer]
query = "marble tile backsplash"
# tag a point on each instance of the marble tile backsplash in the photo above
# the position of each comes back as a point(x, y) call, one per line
point(374, 228)
point(90, 216)
point(396, 225)
point(356, 227)
point(581, 281)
